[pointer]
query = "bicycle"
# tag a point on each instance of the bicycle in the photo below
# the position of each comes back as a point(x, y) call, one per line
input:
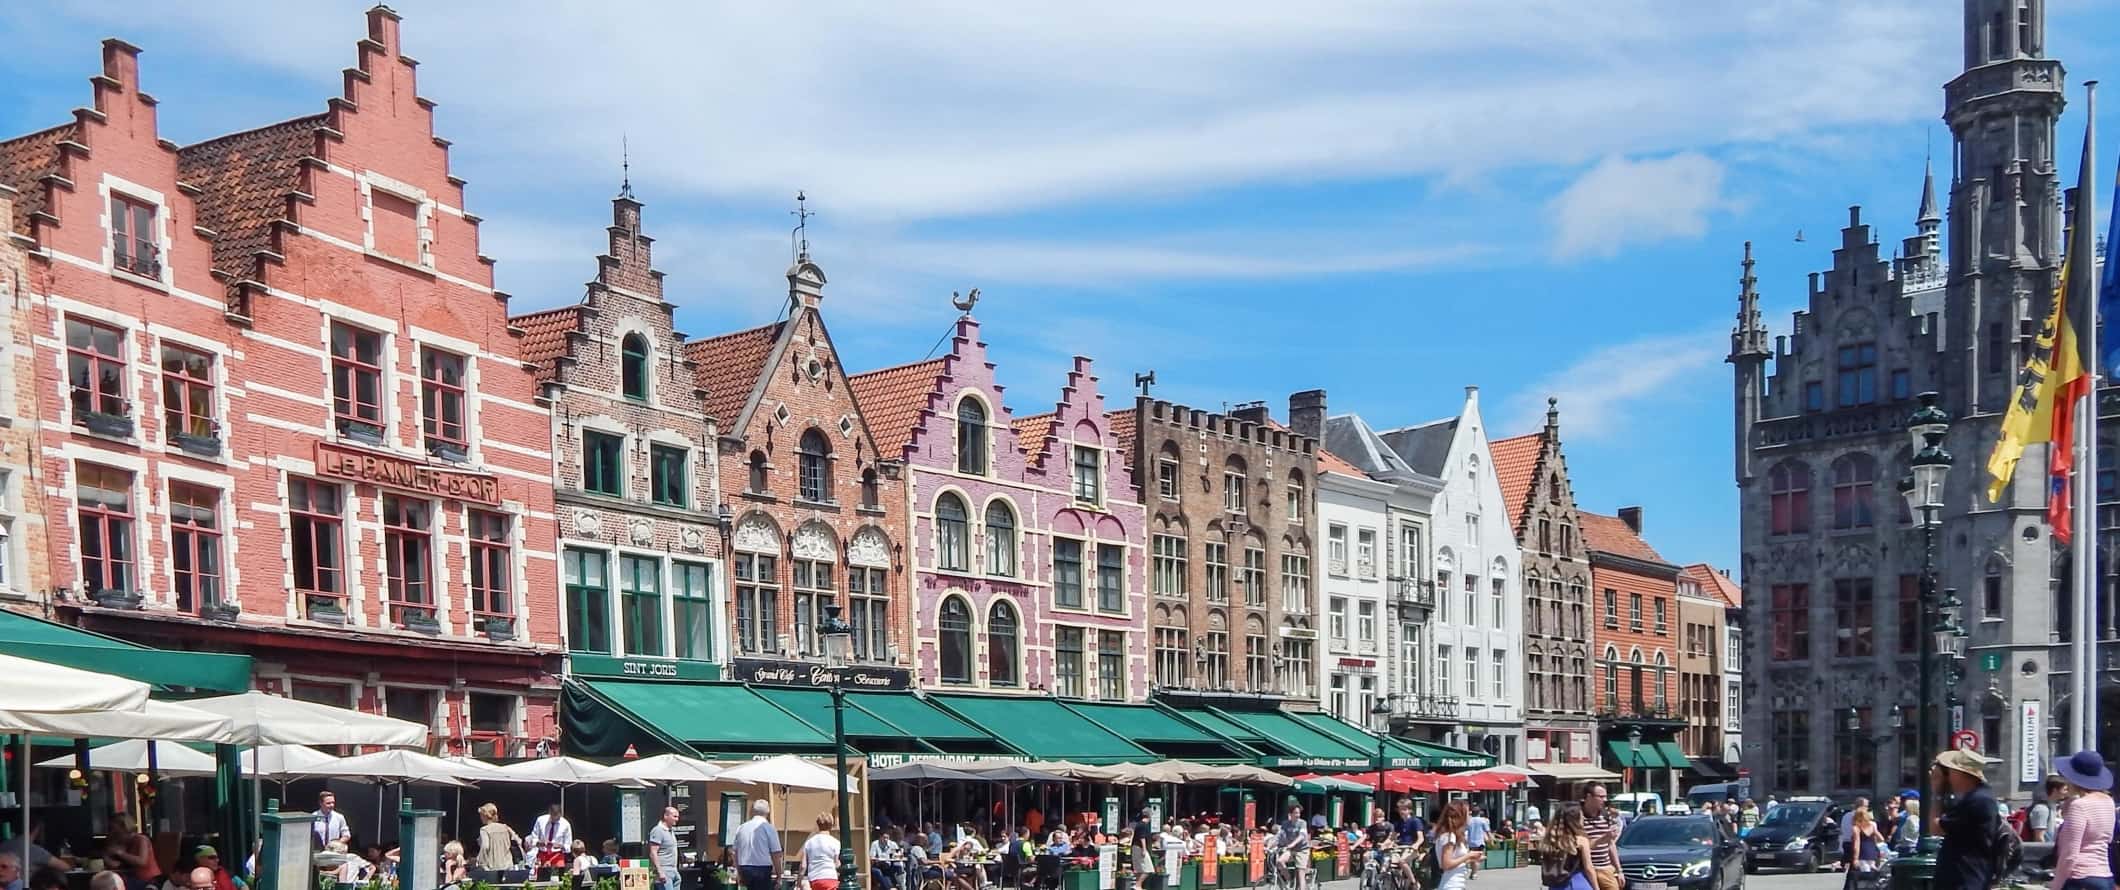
point(1381, 871)
point(1290, 870)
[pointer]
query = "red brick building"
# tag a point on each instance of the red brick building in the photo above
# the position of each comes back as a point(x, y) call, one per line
point(282, 410)
point(24, 564)
point(635, 474)
point(1635, 637)
point(817, 513)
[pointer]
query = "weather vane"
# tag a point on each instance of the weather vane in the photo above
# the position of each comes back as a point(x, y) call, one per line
point(801, 235)
point(965, 303)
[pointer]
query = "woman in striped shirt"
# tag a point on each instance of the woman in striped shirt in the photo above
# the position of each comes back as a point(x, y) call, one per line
point(2086, 835)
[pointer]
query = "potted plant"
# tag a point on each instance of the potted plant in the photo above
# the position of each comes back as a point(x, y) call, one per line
point(206, 443)
point(116, 599)
point(1233, 871)
point(325, 609)
point(220, 611)
point(361, 431)
point(1326, 863)
point(1189, 874)
point(498, 628)
point(1080, 874)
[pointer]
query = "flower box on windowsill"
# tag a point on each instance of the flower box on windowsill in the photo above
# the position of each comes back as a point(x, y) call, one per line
point(116, 426)
point(325, 610)
point(220, 611)
point(361, 431)
point(116, 599)
point(419, 620)
point(497, 628)
point(198, 446)
point(448, 451)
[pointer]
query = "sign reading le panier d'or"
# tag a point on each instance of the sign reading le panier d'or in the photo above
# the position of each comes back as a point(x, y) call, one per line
point(393, 471)
point(769, 672)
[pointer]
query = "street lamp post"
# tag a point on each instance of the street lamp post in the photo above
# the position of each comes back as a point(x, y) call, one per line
point(1922, 488)
point(1380, 716)
point(1634, 756)
point(838, 637)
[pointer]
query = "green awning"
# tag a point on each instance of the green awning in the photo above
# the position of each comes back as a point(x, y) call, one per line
point(713, 718)
point(40, 640)
point(919, 718)
point(1314, 748)
point(1161, 731)
point(1673, 757)
point(1644, 756)
point(814, 707)
point(1330, 785)
point(1044, 728)
point(1398, 752)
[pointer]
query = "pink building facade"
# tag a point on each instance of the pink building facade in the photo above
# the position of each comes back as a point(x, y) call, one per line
point(1027, 533)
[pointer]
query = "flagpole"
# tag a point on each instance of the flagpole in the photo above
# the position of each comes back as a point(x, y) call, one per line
point(2083, 719)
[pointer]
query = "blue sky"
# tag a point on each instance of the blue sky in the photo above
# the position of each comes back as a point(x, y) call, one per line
point(1388, 201)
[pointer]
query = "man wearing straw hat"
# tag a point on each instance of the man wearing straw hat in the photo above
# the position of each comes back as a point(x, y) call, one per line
point(1968, 825)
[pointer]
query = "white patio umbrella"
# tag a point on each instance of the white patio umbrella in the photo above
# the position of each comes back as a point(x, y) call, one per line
point(39, 686)
point(562, 771)
point(668, 768)
point(400, 765)
point(790, 771)
point(152, 720)
point(267, 719)
point(131, 756)
point(285, 763)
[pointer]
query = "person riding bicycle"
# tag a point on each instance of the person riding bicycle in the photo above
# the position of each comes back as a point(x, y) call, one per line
point(1409, 835)
point(1290, 845)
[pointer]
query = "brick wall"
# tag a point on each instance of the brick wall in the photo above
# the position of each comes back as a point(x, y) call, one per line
point(25, 570)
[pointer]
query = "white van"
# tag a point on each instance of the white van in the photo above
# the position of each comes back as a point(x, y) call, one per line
point(1638, 803)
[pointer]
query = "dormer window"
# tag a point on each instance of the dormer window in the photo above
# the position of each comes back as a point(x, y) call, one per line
point(1089, 483)
point(633, 367)
point(132, 237)
point(971, 437)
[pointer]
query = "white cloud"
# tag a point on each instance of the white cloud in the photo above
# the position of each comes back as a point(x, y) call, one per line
point(1597, 390)
point(927, 109)
point(1621, 202)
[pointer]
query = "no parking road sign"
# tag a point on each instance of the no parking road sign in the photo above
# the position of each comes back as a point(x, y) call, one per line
point(1965, 740)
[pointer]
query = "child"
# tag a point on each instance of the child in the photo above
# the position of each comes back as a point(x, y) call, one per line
point(583, 862)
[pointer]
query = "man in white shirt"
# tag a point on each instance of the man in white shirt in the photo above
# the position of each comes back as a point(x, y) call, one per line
point(329, 824)
point(550, 838)
point(757, 848)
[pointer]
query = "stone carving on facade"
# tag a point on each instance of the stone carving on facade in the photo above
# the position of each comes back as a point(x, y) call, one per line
point(756, 534)
point(692, 538)
point(1853, 560)
point(814, 542)
point(1856, 325)
point(587, 524)
point(641, 530)
point(869, 548)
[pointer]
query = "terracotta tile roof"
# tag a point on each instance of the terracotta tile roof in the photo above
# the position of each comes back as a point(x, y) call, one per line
point(729, 367)
point(891, 400)
point(1714, 583)
point(1032, 431)
point(1121, 425)
point(1607, 534)
point(1515, 460)
point(26, 159)
point(545, 336)
point(244, 180)
point(1329, 462)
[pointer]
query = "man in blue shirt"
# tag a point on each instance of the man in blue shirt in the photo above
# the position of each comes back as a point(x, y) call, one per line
point(757, 848)
point(1476, 829)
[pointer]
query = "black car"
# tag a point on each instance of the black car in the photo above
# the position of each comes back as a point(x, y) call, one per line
point(1801, 834)
point(1680, 853)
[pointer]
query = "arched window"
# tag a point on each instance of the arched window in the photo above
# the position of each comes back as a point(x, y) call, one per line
point(955, 622)
point(1663, 667)
point(869, 496)
point(1789, 498)
point(1001, 645)
point(1000, 539)
point(1612, 677)
point(971, 436)
point(953, 536)
point(814, 460)
point(633, 366)
point(1854, 478)
point(1635, 679)
point(757, 479)
point(1233, 484)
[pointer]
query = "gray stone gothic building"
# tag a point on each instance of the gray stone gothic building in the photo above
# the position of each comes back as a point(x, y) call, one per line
point(1831, 559)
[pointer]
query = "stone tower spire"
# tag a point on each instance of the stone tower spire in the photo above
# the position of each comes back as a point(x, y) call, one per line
point(2005, 226)
point(1748, 359)
point(1927, 219)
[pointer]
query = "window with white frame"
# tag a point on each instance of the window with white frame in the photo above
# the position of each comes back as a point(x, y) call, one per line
point(8, 581)
point(1501, 676)
point(1089, 475)
point(95, 371)
point(1442, 670)
point(1365, 623)
point(1336, 548)
point(1295, 584)
point(1733, 714)
point(1336, 620)
point(1495, 604)
point(1169, 557)
point(1409, 551)
point(640, 605)
point(1472, 672)
point(187, 394)
point(357, 381)
point(1336, 699)
point(103, 497)
point(1733, 650)
point(134, 239)
point(1365, 552)
point(408, 559)
point(195, 546)
point(1167, 485)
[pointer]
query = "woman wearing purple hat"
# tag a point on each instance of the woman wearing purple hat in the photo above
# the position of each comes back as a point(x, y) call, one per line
point(2086, 824)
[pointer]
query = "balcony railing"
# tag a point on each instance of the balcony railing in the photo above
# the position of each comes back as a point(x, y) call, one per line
point(1633, 711)
point(1424, 707)
point(1418, 593)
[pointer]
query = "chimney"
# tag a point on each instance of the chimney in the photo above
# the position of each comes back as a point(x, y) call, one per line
point(1306, 413)
point(1632, 516)
point(1250, 412)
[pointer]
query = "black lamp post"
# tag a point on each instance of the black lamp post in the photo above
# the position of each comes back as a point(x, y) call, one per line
point(838, 638)
point(1380, 715)
point(1634, 756)
point(1922, 488)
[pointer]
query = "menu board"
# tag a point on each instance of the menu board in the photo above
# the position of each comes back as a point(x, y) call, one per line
point(1210, 862)
point(1108, 867)
point(1257, 855)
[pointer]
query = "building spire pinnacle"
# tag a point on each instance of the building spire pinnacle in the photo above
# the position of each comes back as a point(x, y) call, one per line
point(625, 168)
point(1928, 217)
point(1750, 335)
point(801, 234)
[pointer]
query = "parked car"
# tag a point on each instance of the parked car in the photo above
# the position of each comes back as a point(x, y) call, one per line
point(1719, 792)
point(1802, 833)
point(1638, 803)
point(1680, 853)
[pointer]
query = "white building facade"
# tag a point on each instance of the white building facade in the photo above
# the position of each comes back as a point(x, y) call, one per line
point(1353, 517)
